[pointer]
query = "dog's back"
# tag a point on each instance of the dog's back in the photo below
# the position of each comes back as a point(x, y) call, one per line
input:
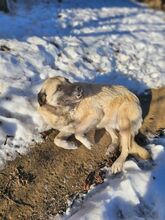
point(105, 103)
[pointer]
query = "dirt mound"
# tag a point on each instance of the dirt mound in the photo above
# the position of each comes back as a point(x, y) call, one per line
point(38, 184)
point(153, 106)
point(159, 4)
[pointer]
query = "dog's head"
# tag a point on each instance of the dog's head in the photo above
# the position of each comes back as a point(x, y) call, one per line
point(71, 94)
point(51, 90)
point(58, 91)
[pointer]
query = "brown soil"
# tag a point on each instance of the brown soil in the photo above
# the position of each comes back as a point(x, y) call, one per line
point(157, 4)
point(153, 106)
point(37, 185)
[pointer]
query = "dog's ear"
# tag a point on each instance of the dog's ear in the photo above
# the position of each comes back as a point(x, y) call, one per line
point(78, 92)
point(63, 79)
point(67, 80)
point(41, 98)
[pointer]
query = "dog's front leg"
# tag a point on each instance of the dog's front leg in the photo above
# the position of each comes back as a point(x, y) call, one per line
point(61, 139)
point(82, 128)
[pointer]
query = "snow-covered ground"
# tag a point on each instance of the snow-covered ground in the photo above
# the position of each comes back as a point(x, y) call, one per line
point(103, 41)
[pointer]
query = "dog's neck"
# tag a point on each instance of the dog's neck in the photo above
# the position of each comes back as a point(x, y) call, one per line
point(60, 110)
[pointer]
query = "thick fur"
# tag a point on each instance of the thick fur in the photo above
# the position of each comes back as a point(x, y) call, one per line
point(75, 108)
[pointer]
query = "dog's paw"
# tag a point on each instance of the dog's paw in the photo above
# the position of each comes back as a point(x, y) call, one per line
point(84, 141)
point(88, 145)
point(117, 167)
point(65, 145)
point(71, 146)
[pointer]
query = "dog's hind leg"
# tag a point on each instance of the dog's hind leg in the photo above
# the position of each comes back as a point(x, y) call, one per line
point(125, 143)
point(114, 141)
point(139, 151)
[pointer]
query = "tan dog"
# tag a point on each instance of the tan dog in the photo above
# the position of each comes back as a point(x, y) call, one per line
point(75, 108)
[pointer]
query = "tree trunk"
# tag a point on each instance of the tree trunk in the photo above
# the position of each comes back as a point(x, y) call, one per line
point(4, 6)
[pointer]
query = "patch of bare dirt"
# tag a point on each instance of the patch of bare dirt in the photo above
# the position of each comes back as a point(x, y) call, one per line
point(158, 4)
point(153, 106)
point(38, 185)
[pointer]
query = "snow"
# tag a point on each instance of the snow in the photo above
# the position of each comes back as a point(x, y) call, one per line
point(103, 41)
point(136, 194)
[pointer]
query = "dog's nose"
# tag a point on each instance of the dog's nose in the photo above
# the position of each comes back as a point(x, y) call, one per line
point(41, 98)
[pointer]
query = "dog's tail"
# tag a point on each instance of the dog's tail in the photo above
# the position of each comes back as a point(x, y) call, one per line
point(139, 151)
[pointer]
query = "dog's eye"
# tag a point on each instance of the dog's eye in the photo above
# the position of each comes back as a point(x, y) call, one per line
point(59, 88)
point(78, 89)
